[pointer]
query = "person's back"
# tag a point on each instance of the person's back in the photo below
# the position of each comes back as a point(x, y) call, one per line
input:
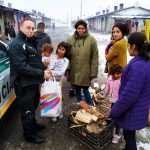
point(41, 36)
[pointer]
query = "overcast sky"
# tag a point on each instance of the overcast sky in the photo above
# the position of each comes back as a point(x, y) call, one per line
point(63, 9)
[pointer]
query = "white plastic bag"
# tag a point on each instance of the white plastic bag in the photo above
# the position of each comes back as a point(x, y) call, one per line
point(51, 99)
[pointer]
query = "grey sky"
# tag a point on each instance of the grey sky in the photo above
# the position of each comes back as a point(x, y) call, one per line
point(63, 9)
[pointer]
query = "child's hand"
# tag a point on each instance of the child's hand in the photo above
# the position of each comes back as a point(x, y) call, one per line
point(46, 63)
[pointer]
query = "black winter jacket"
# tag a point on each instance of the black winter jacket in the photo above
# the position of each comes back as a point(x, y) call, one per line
point(42, 38)
point(25, 61)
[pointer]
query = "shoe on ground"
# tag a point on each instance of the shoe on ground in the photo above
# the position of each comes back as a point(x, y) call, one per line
point(61, 116)
point(54, 119)
point(35, 139)
point(72, 93)
point(39, 127)
point(116, 138)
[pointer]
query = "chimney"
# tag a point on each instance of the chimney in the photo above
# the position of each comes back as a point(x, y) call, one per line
point(98, 13)
point(107, 10)
point(121, 6)
point(115, 8)
point(103, 11)
point(9, 5)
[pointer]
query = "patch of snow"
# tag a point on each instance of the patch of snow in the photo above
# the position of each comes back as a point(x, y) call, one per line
point(143, 146)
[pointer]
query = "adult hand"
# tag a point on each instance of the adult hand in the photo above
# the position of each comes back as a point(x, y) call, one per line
point(91, 77)
point(47, 74)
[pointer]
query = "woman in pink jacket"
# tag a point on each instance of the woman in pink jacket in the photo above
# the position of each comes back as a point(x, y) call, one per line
point(112, 91)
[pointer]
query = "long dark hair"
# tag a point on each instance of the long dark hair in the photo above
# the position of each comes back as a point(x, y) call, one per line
point(141, 43)
point(124, 28)
point(66, 46)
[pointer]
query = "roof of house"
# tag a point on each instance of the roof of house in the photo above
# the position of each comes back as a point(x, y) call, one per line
point(124, 9)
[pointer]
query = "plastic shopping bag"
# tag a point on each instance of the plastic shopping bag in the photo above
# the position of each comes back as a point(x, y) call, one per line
point(51, 99)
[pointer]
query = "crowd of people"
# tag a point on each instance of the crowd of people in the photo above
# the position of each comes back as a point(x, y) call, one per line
point(32, 61)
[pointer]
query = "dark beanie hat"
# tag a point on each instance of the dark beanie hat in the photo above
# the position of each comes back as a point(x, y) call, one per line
point(124, 28)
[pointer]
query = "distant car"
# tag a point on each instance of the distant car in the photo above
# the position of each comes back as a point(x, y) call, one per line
point(7, 94)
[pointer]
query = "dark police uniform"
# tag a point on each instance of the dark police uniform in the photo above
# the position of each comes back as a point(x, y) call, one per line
point(26, 73)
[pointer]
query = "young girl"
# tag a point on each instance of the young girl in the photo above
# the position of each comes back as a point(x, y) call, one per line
point(60, 60)
point(47, 57)
point(130, 112)
point(111, 91)
point(60, 65)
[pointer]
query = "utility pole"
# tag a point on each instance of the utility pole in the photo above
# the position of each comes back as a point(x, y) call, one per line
point(81, 10)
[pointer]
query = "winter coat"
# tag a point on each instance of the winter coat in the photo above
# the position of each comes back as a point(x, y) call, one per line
point(42, 38)
point(84, 59)
point(112, 89)
point(118, 54)
point(25, 61)
point(130, 111)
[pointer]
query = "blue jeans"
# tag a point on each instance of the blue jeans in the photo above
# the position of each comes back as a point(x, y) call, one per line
point(85, 91)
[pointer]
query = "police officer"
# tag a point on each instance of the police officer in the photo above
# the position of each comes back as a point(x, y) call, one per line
point(26, 73)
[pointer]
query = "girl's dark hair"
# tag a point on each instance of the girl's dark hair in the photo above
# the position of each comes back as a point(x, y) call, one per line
point(66, 46)
point(80, 22)
point(124, 28)
point(116, 69)
point(141, 43)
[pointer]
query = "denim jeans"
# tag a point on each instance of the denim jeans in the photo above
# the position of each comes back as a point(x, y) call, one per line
point(85, 91)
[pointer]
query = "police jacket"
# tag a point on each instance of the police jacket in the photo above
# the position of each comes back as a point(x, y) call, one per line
point(25, 61)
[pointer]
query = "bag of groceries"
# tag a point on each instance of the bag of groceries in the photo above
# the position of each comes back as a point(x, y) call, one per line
point(51, 98)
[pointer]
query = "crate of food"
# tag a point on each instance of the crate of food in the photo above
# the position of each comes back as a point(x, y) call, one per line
point(92, 140)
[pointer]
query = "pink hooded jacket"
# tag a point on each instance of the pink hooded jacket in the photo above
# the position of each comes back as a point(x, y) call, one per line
point(112, 89)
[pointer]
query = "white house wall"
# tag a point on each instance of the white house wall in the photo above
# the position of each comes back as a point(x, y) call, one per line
point(103, 24)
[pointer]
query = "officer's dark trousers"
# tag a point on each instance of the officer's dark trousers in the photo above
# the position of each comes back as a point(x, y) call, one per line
point(28, 100)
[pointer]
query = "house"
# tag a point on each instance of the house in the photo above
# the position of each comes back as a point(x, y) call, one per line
point(8, 14)
point(134, 16)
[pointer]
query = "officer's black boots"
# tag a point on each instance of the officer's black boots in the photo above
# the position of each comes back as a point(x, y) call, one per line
point(39, 127)
point(72, 93)
point(35, 139)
